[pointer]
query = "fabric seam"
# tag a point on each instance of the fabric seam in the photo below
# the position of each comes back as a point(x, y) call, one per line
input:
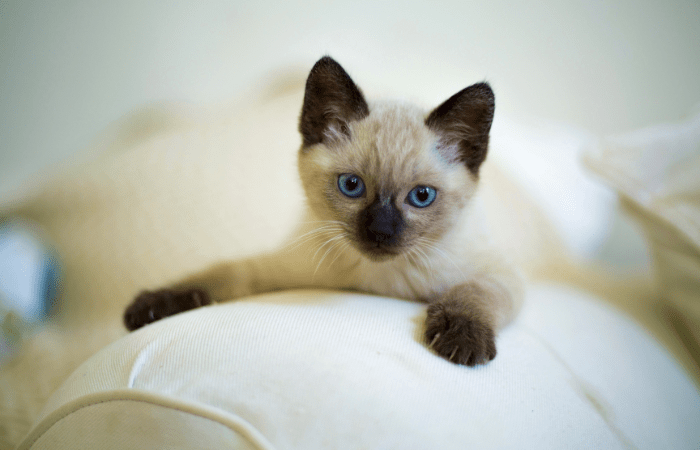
point(240, 426)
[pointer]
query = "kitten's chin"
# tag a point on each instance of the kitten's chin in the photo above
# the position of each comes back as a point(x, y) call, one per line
point(380, 254)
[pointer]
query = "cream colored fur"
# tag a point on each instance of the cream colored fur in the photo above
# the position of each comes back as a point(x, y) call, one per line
point(445, 245)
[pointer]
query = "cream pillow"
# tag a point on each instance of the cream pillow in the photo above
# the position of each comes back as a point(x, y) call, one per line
point(656, 170)
point(318, 370)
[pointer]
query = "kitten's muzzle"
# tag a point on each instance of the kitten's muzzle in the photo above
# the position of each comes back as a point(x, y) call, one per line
point(381, 225)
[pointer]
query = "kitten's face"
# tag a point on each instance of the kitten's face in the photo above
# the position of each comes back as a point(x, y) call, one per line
point(386, 182)
point(391, 177)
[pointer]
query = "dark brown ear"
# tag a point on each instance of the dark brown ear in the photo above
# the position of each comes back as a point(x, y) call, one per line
point(464, 122)
point(331, 100)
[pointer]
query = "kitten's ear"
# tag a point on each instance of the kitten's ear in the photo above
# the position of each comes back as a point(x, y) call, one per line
point(464, 122)
point(331, 101)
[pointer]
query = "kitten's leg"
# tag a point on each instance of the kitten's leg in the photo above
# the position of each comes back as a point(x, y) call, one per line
point(150, 306)
point(221, 282)
point(461, 324)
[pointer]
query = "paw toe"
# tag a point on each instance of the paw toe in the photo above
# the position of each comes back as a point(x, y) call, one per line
point(458, 337)
point(150, 306)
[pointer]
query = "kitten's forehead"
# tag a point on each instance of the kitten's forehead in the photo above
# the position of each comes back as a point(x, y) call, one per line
point(391, 144)
point(397, 126)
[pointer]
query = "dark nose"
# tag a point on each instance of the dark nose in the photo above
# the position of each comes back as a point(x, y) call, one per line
point(382, 222)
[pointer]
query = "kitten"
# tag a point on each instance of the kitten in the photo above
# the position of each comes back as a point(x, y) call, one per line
point(390, 211)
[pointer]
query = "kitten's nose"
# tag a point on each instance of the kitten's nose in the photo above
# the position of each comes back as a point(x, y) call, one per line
point(383, 222)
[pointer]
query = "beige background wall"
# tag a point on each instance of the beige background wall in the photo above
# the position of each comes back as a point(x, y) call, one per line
point(68, 67)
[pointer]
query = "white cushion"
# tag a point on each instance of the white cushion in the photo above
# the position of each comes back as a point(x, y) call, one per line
point(320, 369)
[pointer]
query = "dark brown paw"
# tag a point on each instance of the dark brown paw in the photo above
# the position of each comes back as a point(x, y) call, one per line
point(459, 336)
point(150, 306)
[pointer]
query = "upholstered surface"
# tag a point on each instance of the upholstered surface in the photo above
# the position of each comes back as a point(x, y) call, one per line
point(319, 370)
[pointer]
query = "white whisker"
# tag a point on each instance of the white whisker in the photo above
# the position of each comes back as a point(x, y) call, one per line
point(427, 263)
point(323, 228)
point(415, 260)
point(341, 250)
point(323, 221)
point(432, 245)
point(425, 257)
point(326, 242)
point(335, 241)
point(409, 257)
point(310, 235)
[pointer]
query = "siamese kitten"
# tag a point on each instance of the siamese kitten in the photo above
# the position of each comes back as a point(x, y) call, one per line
point(390, 204)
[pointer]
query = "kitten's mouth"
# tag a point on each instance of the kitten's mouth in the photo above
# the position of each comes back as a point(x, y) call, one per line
point(379, 252)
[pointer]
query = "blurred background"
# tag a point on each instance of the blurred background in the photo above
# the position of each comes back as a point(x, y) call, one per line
point(69, 68)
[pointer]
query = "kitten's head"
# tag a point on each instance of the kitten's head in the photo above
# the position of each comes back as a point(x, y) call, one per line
point(391, 176)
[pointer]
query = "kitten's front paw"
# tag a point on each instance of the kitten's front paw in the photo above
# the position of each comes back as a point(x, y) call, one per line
point(458, 335)
point(150, 306)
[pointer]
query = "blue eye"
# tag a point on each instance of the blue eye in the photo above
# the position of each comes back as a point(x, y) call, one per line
point(351, 185)
point(421, 196)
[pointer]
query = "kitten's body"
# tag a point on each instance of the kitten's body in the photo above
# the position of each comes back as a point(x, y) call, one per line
point(382, 238)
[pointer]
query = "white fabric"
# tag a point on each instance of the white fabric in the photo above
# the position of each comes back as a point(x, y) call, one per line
point(318, 370)
point(657, 171)
point(126, 420)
